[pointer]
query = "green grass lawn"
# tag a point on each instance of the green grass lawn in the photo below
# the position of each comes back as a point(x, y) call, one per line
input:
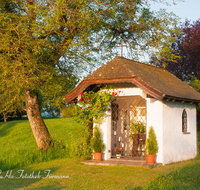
point(184, 175)
point(18, 147)
point(19, 154)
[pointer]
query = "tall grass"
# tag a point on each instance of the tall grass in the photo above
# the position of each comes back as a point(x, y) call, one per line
point(18, 147)
point(187, 177)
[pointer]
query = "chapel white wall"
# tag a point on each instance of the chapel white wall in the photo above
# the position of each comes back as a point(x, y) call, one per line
point(155, 119)
point(105, 128)
point(176, 145)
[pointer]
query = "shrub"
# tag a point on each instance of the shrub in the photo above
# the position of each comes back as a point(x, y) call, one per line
point(96, 142)
point(67, 112)
point(151, 147)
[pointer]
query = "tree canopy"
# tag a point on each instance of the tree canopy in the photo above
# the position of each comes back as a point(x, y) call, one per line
point(44, 41)
point(187, 49)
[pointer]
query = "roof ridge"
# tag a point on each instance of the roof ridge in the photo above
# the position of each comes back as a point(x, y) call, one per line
point(137, 62)
point(112, 66)
point(124, 63)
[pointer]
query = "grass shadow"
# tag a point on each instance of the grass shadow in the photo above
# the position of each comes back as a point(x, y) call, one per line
point(5, 127)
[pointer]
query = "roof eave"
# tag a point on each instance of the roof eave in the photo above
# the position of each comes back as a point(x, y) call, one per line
point(180, 99)
point(135, 80)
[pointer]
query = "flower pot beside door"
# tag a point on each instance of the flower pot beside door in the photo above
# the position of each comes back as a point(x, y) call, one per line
point(97, 156)
point(151, 147)
point(150, 159)
point(97, 144)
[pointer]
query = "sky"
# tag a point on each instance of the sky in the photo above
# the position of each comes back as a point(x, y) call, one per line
point(185, 10)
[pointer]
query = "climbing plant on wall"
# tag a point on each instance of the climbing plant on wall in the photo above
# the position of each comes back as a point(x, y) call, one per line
point(90, 108)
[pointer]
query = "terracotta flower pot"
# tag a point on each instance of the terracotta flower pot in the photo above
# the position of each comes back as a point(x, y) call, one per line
point(150, 159)
point(97, 156)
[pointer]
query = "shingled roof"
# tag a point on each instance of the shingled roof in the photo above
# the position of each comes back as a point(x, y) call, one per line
point(156, 82)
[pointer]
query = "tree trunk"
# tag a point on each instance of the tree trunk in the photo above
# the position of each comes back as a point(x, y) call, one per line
point(38, 126)
point(4, 117)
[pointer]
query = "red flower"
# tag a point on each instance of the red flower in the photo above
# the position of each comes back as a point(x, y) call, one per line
point(83, 98)
point(88, 99)
point(97, 106)
point(118, 150)
point(119, 91)
point(81, 108)
point(85, 102)
point(72, 101)
point(113, 93)
point(80, 99)
point(86, 122)
point(81, 93)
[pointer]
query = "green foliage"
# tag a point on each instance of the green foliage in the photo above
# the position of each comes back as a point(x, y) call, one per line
point(67, 111)
point(195, 83)
point(96, 142)
point(137, 128)
point(151, 147)
point(82, 146)
point(91, 107)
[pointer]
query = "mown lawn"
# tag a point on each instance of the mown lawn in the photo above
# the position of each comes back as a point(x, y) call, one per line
point(184, 175)
point(18, 145)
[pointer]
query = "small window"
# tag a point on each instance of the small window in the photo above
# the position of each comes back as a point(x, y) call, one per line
point(184, 121)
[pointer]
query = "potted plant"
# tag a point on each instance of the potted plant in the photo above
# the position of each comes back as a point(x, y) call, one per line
point(137, 128)
point(118, 152)
point(151, 147)
point(97, 144)
point(138, 131)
